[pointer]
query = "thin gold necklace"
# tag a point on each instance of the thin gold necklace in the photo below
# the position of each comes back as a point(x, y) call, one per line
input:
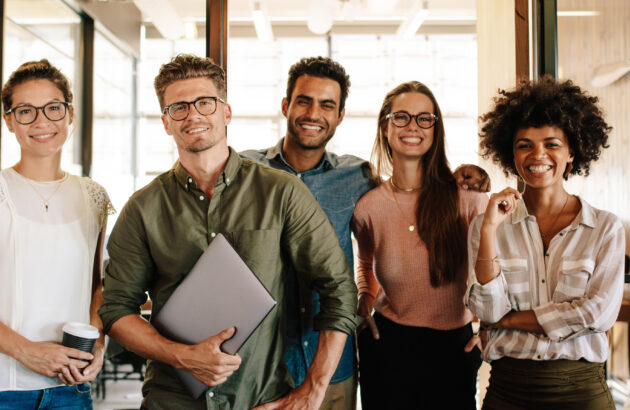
point(411, 225)
point(46, 200)
point(544, 235)
point(402, 189)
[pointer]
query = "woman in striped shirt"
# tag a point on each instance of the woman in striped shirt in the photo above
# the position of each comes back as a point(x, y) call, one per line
point(548, 266)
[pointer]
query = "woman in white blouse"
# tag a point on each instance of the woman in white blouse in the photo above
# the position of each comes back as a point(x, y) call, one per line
point(548, 266)
point(52, 228)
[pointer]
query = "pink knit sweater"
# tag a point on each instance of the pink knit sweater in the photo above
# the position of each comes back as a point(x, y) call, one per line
point(394, 262)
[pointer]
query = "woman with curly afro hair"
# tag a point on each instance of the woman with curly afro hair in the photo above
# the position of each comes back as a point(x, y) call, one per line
point(548, 266)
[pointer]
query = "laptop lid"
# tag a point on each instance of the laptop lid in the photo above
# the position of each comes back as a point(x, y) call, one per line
point(219, 292)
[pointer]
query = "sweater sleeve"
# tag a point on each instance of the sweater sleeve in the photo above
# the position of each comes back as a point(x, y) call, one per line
point(361, 227)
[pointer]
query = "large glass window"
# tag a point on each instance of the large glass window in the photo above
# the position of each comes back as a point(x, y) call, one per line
point(50, 31)
point(113, 157)
point(443, 56)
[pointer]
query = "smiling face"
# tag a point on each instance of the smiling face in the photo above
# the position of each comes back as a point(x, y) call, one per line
point(541, 156)
point(196, 133)
point(42, 137)
point(410, 141)
point(313, 113)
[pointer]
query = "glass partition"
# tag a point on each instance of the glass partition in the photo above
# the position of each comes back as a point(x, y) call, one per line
point(51, 31)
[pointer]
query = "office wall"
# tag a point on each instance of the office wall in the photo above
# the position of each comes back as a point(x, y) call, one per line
point(585, 43)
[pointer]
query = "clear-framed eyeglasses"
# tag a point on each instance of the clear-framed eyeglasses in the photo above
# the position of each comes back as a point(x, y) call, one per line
point(26, 114)
point(179, 111)
point(403, 118)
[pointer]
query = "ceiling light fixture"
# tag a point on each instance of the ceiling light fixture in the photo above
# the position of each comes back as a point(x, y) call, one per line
point(261, 22)
point(412, 23)
point(164, 17)
point(320, 16)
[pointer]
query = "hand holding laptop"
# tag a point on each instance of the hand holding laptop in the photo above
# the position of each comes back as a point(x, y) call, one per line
point(207, 362)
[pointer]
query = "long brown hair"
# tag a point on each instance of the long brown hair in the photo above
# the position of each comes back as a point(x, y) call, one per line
point(439, 224)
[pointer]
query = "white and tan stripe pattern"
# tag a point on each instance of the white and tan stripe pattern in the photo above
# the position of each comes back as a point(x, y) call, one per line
point(575, 288)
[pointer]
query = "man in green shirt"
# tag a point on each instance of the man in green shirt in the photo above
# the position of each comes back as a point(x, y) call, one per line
point(273, 222)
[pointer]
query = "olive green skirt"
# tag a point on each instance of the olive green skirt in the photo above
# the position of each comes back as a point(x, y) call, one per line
point(519, 384)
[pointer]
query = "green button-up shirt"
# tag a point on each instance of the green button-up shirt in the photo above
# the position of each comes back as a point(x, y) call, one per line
point(273, 221)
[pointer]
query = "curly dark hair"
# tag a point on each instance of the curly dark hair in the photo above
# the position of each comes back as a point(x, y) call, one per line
point(540, 103)
point(319, 67)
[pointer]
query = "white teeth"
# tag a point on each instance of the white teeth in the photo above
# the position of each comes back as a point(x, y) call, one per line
point(412, 140)
point(311, 127)
point(539, 168)
point(195, 130)
point(41, 137)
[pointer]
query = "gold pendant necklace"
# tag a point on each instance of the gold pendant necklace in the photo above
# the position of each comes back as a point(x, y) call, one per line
point(46, 200)
point(544, 235)
point(411, 225)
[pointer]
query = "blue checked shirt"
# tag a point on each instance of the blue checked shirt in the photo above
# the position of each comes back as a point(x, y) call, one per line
point(337, 183)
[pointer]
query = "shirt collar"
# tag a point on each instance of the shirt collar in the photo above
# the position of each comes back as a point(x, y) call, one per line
point(186, 180)
point(586, 216)
point(328, 162)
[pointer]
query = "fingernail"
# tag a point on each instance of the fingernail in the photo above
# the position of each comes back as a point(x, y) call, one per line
point(465, 186)
point(86, 372)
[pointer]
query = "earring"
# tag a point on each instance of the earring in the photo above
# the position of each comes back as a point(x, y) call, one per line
point(567, 171)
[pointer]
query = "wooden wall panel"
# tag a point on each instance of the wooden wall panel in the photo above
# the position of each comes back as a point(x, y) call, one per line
point(496, 65)
point(585, 43)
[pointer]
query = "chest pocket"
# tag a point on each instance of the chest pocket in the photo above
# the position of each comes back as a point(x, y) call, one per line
point(573, 279)
point(260, 250)
point(517, 277)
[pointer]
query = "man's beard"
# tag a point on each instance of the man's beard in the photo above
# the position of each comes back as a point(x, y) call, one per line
point(294, 134)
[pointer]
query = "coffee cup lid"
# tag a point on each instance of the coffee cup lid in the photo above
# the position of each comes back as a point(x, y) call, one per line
point(81, 330)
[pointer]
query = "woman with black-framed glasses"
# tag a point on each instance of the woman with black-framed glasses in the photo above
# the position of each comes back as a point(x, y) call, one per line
point(411, 232)
point(52, 228)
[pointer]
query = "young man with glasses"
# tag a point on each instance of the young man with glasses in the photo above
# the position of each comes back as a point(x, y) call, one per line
point(314, 106)
point(272, 221)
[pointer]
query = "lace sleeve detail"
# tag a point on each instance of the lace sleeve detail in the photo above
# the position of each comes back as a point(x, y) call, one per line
point(99, 200)
point(3, 194)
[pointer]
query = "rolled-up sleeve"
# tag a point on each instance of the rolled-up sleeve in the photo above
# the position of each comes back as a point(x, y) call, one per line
point(313, 248)
point(597, 310)
point(489, 302)
point(129, 270)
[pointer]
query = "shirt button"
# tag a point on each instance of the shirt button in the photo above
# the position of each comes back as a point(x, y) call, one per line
point(305, 343)
point(547, 254)
point(538, 356)
point(211, 394)
point(201, 197)
point(190, 180)
point(303, 310)
point(227, 180)
point(213, 234)
point(299, 175)
point(543, 281)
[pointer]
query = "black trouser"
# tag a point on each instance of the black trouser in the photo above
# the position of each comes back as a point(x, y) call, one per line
point(417, 368)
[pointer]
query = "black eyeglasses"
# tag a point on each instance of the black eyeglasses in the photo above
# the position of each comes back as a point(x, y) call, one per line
point(204, 105)
point(403, 118)
point(27, 114)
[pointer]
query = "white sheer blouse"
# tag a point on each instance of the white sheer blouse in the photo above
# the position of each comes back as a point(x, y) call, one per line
point(48, 237)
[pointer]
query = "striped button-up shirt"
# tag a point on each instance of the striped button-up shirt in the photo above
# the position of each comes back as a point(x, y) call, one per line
point(575, 287)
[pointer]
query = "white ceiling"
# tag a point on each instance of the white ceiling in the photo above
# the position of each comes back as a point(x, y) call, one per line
point(298, 9)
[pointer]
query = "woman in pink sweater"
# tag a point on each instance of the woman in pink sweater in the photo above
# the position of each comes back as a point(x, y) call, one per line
point(412, 270)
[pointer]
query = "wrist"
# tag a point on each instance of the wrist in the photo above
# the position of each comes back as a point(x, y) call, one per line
point(315, 384)
point(488, 229)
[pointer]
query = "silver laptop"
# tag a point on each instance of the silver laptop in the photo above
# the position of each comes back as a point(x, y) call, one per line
point(219, 292)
